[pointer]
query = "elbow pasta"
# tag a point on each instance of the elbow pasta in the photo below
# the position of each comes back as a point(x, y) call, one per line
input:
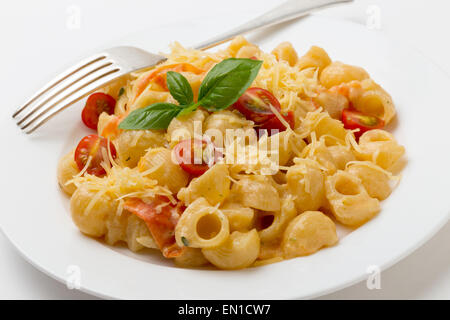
point(191, 258)
point(116, 228)
point(237, 44)
point(319, 153)
point(239, 217)
point(286, 52)
point(380, 147)
point(332, 102)
point(337, 73)
point(157, 164)
point(316, 57)
point(247, 52)
point(348, 199)
point(341, 155)
point(239, 251)
point(133, 144)
point(202, 226)
point(263, 200)
point(67, 169)
point(307, 233)
point(321, 124)
point(217, 123)
point(370, 98)
point(137, 234)
point(280, 220)
point(88, 215)
point(374, 179)
point(183, 127)
point(214, 186)
point(257, 192)
point(305, 181)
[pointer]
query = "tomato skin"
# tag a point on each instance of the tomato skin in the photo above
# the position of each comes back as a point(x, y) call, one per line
point(290, 118)
point(255, 103)
point(96, 104)
point(275, 123)
point(354, 119)
point(91, 146)
point(160, 222)
point(184, 155)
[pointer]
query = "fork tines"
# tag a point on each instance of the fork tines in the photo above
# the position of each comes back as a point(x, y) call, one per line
point(67, 88)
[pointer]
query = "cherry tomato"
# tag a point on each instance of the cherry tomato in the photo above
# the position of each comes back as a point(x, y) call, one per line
point(96, 104)
point(276, 124)
point(255, 103)
point(161, 217)
point(196, 156)
point(354, 119)
point(91, 147)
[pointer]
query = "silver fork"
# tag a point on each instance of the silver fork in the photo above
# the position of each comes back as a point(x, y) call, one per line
point(97, 71)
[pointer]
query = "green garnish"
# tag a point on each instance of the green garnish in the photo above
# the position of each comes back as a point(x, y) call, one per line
point(180, 88)
point(155, 116)
point(121, 92)
point(185, 241)
point(221, 87)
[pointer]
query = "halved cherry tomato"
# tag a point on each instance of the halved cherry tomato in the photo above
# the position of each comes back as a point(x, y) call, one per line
point(161, 217)
point(276, 124)
point(354, 119)
point(196, 156)
point(91, 147)
point(255, 104)
point(96, 104)
point(159, 75)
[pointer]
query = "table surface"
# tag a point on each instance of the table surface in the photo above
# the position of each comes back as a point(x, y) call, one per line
point(425, 274)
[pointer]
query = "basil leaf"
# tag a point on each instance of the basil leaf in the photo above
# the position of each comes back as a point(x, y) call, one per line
point(226, 82)
point(179, 88)
point(155, 116)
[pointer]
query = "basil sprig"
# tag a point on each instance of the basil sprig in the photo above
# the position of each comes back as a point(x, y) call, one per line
point(222, 86)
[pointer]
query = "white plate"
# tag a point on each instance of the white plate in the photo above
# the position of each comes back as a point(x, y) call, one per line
point(35, 213)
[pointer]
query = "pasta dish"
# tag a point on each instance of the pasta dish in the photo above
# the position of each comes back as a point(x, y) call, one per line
point(234, 158)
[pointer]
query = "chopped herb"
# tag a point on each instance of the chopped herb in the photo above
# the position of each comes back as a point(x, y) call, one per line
point(128, 159)
point(185, 241)
point(121, 92)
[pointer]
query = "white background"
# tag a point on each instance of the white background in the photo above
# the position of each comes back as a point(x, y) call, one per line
point(33, 29)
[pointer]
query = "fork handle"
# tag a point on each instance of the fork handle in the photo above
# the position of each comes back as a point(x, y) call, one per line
point(289, 10)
